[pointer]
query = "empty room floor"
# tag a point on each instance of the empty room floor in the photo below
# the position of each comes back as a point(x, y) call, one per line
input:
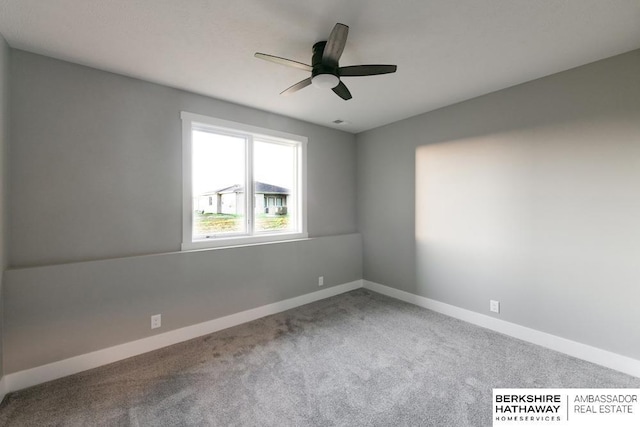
point(359, 358)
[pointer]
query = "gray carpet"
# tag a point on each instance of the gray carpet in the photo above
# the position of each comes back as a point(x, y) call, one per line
point(358, 359)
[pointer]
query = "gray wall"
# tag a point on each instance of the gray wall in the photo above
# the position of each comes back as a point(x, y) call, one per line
point(97, 169)
point(4, 144)
point(59, 311)
point(529, 196)
point(96, 186)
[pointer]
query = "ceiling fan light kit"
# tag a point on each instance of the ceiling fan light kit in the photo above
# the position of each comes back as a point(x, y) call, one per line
point(325, 81)
point(324, 68)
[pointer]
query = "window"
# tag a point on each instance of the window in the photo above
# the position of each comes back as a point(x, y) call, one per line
point(242, 184)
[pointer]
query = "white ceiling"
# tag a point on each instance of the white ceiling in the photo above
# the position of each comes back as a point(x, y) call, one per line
point(446, 50)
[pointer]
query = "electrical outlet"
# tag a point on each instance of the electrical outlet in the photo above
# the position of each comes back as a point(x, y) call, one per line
point(321, 281)
point(156, 321)
point(494, 306)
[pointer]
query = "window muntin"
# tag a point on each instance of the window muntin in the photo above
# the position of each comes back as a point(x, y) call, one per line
point(242, 184)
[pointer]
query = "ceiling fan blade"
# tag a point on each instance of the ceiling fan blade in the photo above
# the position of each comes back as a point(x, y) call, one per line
point(335, 45)
point(296, 87)
point(283, 61)
point(366, 70)
point(342, 91)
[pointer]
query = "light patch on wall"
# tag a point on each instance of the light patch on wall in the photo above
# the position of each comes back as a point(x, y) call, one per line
point(472, 215)
point(541, 219)
point(468, 188)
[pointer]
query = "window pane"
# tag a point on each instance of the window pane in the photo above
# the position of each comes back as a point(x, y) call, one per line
point(275, 192)
point(219, 197)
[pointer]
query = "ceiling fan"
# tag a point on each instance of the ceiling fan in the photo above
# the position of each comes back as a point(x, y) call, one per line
point(324, 68)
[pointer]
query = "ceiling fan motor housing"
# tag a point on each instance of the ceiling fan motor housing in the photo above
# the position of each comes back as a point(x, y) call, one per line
point(323, 75)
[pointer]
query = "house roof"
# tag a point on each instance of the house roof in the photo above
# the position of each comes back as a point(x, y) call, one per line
point(261, 188)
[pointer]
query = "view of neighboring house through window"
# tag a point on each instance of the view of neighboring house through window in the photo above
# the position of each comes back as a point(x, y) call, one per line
point(242, 184)
point(218, 161)
point(274, 177)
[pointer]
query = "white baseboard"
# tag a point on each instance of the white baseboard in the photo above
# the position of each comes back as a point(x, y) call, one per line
point(572, 348)
point(73, 365)
point(3, 390)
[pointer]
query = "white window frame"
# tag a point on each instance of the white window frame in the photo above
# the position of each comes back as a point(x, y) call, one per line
point(191, 120)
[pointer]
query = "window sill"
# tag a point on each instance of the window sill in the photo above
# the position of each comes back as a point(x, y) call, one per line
point(234, 242)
